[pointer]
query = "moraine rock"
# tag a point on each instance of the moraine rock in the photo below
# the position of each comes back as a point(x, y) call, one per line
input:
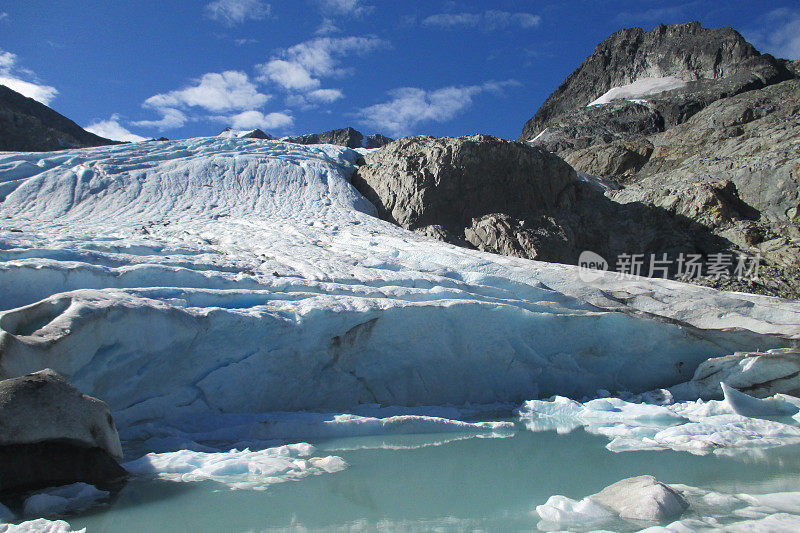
point(29, 126)
point(52, 434)
point(641, 498)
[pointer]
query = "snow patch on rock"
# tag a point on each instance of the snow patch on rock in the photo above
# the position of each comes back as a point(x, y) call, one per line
point(638, 89)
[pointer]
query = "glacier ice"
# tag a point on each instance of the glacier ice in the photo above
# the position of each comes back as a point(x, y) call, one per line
point(245, 276)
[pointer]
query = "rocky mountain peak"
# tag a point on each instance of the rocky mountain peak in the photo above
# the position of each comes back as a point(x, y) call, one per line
point(687, 52)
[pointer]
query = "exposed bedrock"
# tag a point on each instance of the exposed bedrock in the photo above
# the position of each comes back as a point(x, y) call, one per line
point(52, 434)
point(509, 198)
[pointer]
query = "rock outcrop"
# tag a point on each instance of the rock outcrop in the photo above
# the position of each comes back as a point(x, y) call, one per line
point(342, 137)
point(52, 434)
point(641, 498)
point(510, 198)
point(29, 126)
point(422, 181)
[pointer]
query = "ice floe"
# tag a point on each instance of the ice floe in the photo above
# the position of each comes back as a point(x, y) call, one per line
point(61, 500)
point(238, 469)
point(40, 525)
point(696, 427)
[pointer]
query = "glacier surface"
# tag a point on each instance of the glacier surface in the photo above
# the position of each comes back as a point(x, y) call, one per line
point(226, 275)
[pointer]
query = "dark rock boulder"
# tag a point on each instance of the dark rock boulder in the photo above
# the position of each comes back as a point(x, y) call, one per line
point(29, 126)
point(52, 434)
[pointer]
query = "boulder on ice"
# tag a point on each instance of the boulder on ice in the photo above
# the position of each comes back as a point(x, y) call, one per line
point(52, 434)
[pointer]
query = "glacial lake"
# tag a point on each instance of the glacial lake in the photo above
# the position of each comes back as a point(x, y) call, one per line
point(443, 482)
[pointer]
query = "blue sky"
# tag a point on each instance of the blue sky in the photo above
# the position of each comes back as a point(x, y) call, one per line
point(191, 68)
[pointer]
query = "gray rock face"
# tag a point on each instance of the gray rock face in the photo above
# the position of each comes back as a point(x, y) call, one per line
point(641, 498)
point(43, 406)
point(29, 126)
point(343, 137)
point(423, 181)
point(714, 62)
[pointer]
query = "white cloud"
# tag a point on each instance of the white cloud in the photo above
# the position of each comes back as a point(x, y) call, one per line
point(313, 99)
point(11, 76)
point(779, 33)
point(327, 27)
point(345, 7)
point(300, 66)
point(232, 12)
point(170, 119)
point(250, 120)
point(242, 42)
point(112, 129)
point(3, 16)
point(325, 96)
point(216, 92)
point(288, 75)
point(408, 106)
point(488, 20)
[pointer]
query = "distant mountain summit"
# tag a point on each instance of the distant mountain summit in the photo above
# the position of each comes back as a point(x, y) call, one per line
point(348, 137)
point(240, 134)
point(687, 66)
point(29, 126)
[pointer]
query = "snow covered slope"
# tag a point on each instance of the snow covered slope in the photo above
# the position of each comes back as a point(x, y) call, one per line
point(639, 89)
point(238, 275)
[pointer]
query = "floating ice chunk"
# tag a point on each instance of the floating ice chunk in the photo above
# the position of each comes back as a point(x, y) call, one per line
point(641, 498)
point(60, 500)
point(243, 469)
point(745, 405)
point(696, 427)
point(566, 511)
point(40, 525)
point(639, 88)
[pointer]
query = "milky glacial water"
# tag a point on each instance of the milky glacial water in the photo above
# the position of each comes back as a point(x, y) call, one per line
point(447, 482)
